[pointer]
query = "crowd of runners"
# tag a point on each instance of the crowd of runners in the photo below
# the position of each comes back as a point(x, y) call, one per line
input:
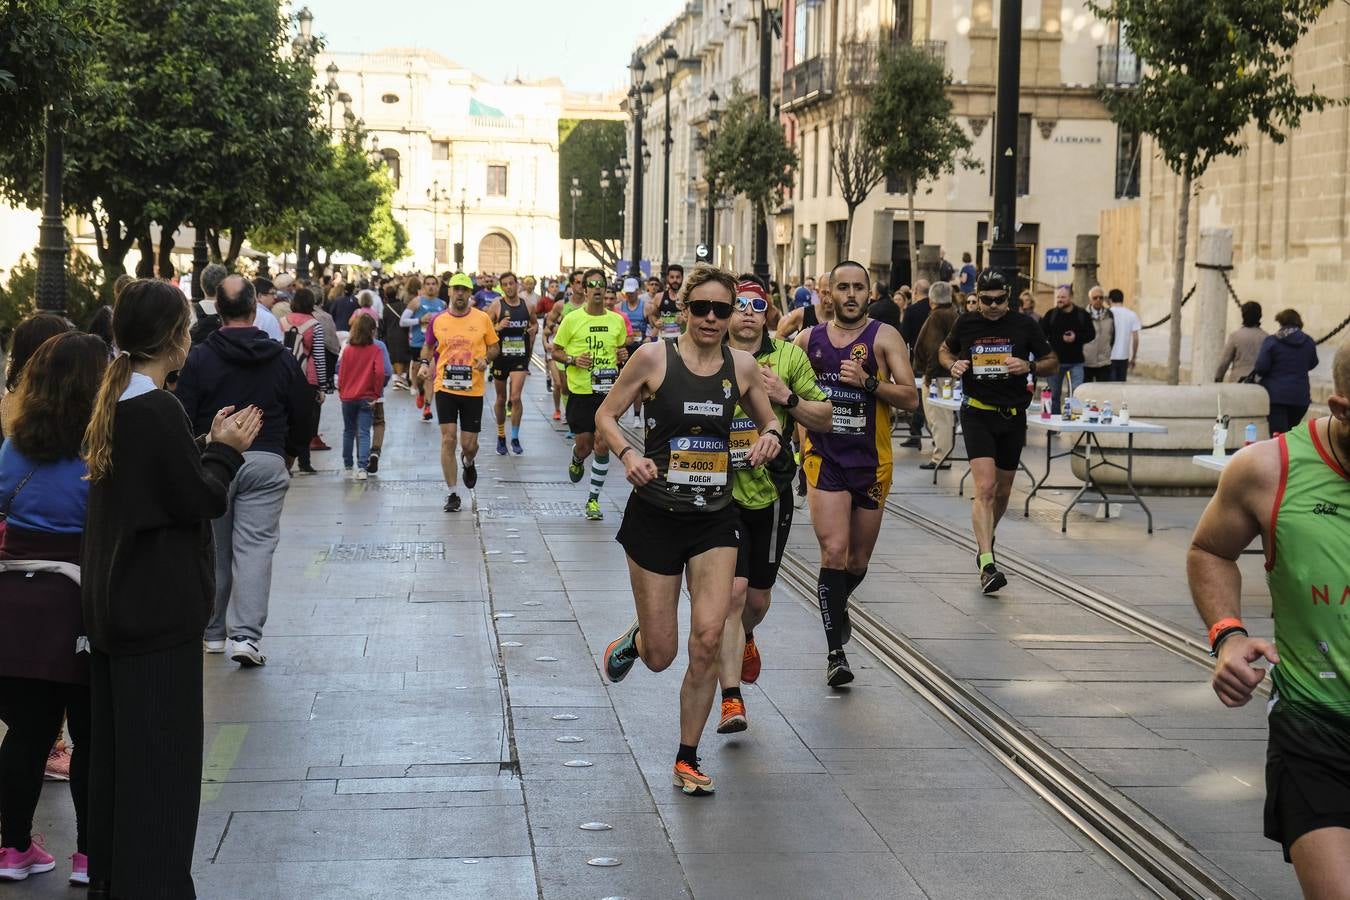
point(726, 412)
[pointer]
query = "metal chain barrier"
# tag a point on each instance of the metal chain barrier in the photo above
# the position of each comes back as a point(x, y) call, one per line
point(1167, 318)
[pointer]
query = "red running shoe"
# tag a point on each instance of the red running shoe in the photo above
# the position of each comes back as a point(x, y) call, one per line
point(750, 662)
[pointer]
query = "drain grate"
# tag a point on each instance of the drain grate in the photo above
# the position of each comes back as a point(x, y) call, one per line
point(400, 487)
point(528, 509)
point(529, 483)
point(396, 551)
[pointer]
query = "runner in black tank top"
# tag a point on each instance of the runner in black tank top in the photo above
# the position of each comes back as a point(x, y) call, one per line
point(680, 515)
point(516, 327)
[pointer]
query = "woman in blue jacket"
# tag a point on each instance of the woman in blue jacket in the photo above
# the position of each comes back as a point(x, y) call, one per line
point(1283, 364)
point(44, 656)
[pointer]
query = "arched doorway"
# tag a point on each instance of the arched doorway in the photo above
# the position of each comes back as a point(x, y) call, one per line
point(494, 254)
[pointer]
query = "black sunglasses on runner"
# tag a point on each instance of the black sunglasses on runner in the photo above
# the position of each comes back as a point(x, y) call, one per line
point(993, 300)
point(699, 309)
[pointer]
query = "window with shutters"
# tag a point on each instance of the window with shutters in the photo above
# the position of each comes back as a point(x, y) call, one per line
point(496, 181)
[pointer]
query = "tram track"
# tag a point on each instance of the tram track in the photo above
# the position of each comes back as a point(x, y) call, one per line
point(1155, 856)
point(1150, 851)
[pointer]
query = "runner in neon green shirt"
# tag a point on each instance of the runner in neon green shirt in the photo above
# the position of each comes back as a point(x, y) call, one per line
point(590, 344)
point(1293, 492)
point(763, 494)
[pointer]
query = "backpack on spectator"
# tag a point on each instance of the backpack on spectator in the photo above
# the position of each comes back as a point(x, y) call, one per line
point(206, 325)
point(294, 340)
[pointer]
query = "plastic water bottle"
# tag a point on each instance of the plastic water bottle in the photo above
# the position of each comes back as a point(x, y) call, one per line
point(1106, 412)
point(1250, 436)
point(932, 390)
point(1045, 403)
point(1220, 438)
point(1124, 417)
point(957, 392)
point(1093, 413)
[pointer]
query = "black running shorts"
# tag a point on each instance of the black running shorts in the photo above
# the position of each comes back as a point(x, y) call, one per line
point(503, 366)
point(662, 541)
point(581, 410)
point(764, 534)
point(1307, 775)
point(996, 435)
point(467, 411)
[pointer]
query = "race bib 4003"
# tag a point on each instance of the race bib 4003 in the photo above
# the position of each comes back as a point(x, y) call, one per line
point(700, 461)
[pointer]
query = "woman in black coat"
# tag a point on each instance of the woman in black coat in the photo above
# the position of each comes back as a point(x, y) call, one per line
point(148, 585)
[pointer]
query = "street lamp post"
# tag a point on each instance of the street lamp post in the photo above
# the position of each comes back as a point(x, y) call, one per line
point(330, 91)
point(604, 201)
point(714, 116)
point(303, 44)
point(51, 249)
point(463, 235)
point(1003, 238)
point(435, 196)
point(768, 25)
point(667, 62)
point(636, 100)
point(575, 194)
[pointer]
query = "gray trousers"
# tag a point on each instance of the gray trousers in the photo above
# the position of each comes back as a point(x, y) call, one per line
point(246, 537)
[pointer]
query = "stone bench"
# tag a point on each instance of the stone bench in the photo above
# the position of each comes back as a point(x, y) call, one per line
point(1162, 462)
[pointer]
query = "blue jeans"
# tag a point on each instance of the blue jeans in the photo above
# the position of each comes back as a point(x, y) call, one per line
point(1075, 370)
point(357, 418)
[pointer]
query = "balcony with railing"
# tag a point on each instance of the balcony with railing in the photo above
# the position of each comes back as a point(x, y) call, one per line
point(1117, 67)
point(855, 68)
point(810, 81)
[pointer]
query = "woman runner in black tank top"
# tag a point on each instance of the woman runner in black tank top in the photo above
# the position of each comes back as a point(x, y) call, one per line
point(680, 522)
point(689, 440)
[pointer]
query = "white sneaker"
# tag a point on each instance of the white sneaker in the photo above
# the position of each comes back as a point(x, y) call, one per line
point(246, 653)
point(362, 474)
point(214, 646)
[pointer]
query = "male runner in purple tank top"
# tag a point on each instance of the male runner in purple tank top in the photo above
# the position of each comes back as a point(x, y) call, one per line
point(863, 367)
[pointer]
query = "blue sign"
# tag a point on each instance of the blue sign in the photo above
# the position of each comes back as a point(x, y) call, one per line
point(624, 266)
point(1056, 259)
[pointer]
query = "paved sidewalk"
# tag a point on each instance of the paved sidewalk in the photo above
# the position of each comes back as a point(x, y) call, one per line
point(404, 739)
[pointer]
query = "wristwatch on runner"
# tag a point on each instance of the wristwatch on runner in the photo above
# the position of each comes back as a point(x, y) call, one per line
point(870, 384)
point(792, 401)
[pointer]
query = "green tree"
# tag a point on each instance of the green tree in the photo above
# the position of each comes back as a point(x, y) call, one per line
point(86, 291)
point(911, 123)
point(339, 216)
point(586, 148)
point(196, 114)
point(1209, 69)
point(385, 240)
point(34, 34)
point(751, 155)
point(856, 162)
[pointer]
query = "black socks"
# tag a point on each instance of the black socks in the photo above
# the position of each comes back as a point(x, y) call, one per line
point(854, 581)
point(832, 594)
point(731, 693)
point(688, 754)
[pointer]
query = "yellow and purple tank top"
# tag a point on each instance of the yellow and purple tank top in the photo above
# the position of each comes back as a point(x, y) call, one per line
point(860, 437)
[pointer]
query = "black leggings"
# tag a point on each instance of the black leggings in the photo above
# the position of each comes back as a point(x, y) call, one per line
point(32, 710)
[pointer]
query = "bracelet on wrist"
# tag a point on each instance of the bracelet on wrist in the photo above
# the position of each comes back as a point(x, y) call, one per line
point(1223, 636)
point(1223, 624)
point(623, 451)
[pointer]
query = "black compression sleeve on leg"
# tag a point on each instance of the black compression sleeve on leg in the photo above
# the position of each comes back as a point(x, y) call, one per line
point(832, 594)
point(854, 581)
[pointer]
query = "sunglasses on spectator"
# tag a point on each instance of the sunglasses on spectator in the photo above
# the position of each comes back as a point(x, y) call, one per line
point(699, 309)
point(746, 304)
point(993, 299)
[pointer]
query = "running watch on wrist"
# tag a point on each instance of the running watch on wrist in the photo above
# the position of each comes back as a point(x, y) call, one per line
point(871, 384)
point(792, 401)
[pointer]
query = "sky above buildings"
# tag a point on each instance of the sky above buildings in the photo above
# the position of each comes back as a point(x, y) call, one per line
point(586, 43)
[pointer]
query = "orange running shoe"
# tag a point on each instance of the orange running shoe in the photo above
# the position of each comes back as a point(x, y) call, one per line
point(750, 662)
point(421, 400)
point(690, 780)
point(557, 416)
point(733, 716)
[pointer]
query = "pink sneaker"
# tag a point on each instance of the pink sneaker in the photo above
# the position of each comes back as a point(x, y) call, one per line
point(16, 865)
point(58, 764)
point(79, 868)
